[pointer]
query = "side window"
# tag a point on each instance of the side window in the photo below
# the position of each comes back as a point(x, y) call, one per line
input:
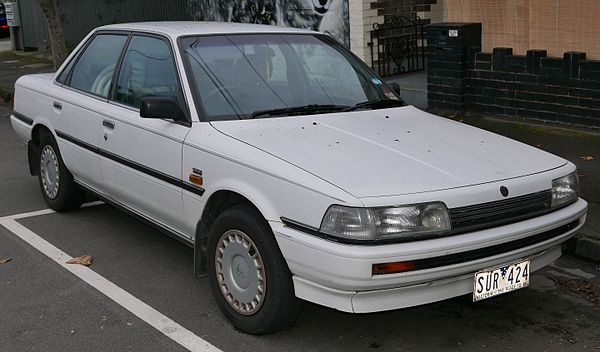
point(65, 73)
point(94, 71)
point(148, 69)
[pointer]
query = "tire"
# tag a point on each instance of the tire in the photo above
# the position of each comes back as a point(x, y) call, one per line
point(56, 182)
point(248, 275)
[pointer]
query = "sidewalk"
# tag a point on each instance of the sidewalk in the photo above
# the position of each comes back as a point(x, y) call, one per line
point(571, 144)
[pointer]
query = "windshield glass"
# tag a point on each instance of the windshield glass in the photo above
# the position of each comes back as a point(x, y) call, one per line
point(243, 76)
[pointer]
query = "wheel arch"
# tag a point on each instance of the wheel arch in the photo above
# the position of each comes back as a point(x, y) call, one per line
point(33, 146)
point(217, 202)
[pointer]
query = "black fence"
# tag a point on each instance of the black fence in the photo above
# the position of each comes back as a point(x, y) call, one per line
point(397, 46)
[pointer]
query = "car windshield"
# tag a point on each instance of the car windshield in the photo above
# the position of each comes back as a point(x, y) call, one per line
point(262, 75)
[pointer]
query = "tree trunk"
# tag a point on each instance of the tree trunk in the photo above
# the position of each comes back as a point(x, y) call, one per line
point(57, 37)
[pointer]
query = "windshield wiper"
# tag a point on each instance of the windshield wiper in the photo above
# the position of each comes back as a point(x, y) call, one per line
point(299, 110)
point(377, 104)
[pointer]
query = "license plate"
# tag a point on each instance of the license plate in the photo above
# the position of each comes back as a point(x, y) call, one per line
point(496, 281)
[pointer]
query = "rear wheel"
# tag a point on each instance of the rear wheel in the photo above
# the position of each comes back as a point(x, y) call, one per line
point(248, 275)
point(56, 182)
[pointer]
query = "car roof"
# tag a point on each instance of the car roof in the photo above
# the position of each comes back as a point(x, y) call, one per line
point(180, 28)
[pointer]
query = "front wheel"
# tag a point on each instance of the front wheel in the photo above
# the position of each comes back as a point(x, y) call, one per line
point(56, 182)
point(248, 275)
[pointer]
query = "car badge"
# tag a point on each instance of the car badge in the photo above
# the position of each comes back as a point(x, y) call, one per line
point(504, 191)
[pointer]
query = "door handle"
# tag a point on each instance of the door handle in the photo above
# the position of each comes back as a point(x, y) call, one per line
point(108, 124)
point(57, 105)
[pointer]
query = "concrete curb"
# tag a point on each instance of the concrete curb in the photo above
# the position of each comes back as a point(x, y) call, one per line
point(587, 248)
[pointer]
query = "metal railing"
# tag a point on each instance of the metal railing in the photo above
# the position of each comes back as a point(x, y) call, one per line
point(397, 46)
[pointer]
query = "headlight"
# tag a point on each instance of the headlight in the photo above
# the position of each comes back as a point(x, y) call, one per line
point(565, 189)
point(374, 224)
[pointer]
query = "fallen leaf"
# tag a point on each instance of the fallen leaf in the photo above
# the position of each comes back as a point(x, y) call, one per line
point(2, 261)
point(587, 158)
point(81, 260)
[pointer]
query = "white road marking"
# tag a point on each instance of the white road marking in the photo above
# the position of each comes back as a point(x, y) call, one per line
point(154, 318)
point(45, 212)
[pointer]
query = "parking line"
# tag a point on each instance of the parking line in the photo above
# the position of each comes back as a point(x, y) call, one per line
point(154, 318)
point(45, 212)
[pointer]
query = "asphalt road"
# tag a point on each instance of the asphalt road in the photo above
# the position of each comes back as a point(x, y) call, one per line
point(44, 307)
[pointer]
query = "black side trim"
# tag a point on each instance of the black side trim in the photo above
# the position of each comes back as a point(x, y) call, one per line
point(481, 253)
point(139, 167)
point(132, 164)
point(192, 188)
point(78, 142)
point(301, 227)
point(22, 117)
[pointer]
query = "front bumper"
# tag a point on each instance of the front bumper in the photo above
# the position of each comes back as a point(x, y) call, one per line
point(339, 275)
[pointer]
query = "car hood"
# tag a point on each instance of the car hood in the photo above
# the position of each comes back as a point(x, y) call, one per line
point(391, 151)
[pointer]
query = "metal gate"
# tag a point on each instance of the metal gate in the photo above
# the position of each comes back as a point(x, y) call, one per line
point(397, 46)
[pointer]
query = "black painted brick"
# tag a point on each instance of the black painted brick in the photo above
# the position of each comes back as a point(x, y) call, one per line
point(487, 83)
point(442, 49)
point(450, 98)
point(448, 73)
point(589, 74)
point(447, 65)
point(446, 89)
point(552, 62)
point(501, 93)
point(448, 57)
point(483, 57)
point(446, 105)
point(499, 58)
point(589, 103)
point(534, 60)
point(482, 65)
point(500, 76)
point(571, 62)
point(592, 65)
point(550, 71)
point(527, 78)
point(547, 98)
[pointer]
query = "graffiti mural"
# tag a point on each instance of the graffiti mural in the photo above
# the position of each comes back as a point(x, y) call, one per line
point(326, 16)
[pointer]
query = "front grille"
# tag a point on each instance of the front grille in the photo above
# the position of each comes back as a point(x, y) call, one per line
point(500, 212)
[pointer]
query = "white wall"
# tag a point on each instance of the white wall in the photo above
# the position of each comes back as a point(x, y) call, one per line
point(362, 18)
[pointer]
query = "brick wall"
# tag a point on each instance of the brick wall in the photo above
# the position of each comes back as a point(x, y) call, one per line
point(535, 86)
point(558, 26)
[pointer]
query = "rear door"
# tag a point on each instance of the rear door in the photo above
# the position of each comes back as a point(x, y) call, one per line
point(141, 158)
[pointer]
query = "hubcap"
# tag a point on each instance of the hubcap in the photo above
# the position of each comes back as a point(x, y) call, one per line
point(240, 272)
point(49, 171)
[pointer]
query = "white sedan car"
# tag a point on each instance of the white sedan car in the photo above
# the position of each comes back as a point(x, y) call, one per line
point(294, 172)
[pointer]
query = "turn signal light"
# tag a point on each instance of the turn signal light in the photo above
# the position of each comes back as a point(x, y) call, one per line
point(196, 179)
point(393, 268)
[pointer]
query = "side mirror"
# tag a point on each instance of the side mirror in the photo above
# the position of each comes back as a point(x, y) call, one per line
point(161, 108)
point(395, 87)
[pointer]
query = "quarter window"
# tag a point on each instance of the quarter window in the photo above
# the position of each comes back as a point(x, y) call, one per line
point(148, 69)
point(94, 71)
